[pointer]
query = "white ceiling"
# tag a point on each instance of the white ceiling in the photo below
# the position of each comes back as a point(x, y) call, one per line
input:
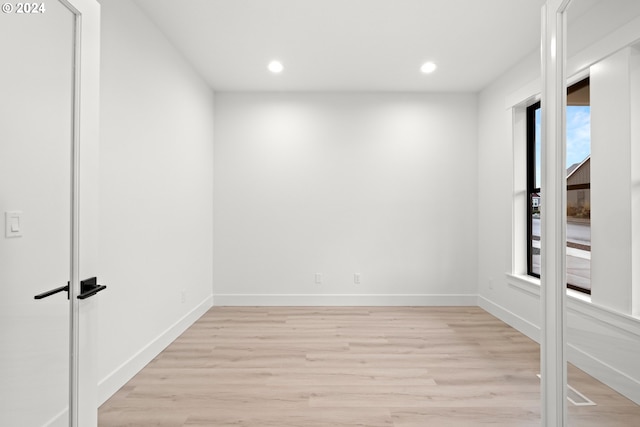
point(349, 45)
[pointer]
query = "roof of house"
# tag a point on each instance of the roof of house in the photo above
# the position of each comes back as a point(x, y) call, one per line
point(574, 167)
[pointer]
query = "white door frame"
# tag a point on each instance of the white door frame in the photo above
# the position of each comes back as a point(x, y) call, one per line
point(84, 237)
point(553, 355)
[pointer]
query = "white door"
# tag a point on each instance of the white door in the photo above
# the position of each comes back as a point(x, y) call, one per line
point(48, 147)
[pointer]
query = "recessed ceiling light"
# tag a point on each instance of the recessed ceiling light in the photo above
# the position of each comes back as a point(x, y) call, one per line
point(428, 67)
point(275, 67)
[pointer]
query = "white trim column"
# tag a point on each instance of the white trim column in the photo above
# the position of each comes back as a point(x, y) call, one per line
point(635, 181)
point(83, 407)
point(553, 214)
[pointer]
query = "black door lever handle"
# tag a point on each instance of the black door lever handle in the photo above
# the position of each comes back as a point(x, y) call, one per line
point(88, 287)
point(53, 292)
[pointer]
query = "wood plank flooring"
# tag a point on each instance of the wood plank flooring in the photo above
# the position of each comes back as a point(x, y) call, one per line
point(350, 366)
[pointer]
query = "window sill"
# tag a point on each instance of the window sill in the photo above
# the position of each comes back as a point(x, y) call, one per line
point(528, 284)
point(581, 296)
point(531, 285)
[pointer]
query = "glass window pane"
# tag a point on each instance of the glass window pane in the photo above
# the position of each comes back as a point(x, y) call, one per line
point(579, 197)
point(534, 267)
point(578, 157)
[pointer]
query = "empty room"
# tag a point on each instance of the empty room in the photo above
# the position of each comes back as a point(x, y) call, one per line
point(320, 213)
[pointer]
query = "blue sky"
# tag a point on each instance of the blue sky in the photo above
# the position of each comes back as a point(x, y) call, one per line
point(578, 136)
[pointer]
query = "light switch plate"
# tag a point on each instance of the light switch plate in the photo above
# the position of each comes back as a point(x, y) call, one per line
point(13, 224)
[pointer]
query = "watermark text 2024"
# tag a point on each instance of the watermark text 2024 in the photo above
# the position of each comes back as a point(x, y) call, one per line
point(24, 8)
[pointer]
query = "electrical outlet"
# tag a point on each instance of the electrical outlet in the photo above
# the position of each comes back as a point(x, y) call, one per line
point(356, 278)
point(183, 296)
point(318, 278)
point(490, 282)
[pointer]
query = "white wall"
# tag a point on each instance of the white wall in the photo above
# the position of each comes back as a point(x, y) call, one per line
point(156, 156)
point(377, 184)
point(611, 176)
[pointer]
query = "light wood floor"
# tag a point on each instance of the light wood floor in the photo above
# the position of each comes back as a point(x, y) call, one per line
point(365, 366)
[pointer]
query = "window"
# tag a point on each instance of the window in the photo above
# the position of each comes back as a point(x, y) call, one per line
point(578, 157)
point(533, 189)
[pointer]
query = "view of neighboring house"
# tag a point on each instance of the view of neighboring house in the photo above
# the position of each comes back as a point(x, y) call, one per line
point(535, 203)
point(579, 191)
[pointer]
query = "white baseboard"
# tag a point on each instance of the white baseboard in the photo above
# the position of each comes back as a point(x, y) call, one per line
point(123, 373)
point(510, 318)
point(344, 300)
point(622, 383)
